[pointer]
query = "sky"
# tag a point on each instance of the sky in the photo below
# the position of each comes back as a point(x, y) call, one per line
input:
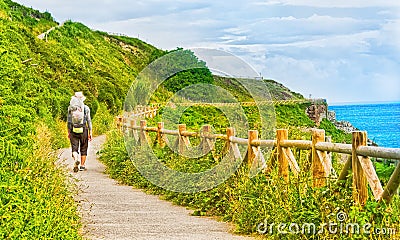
point(341, 50)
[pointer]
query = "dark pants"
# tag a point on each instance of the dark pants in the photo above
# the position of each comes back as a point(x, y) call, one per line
point(79, 141)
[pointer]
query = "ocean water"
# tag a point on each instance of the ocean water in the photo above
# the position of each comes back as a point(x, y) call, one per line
point(381, 121)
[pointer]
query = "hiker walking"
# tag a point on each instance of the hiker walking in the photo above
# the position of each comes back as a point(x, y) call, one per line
point(79, 129)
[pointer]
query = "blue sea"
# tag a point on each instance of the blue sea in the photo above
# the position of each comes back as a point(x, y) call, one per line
point(381, 121)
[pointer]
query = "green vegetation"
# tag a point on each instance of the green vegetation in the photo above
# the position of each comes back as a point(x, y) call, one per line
point(262, 199)
point(189, 70)
point(258, 203)
point(276, 90)
point(38, 77)
point(35, 201)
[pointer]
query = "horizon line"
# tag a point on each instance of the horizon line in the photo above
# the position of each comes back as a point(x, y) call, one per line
point(362, 102)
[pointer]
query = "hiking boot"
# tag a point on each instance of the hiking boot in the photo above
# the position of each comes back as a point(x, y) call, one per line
point(82, 168)
point(76, 169)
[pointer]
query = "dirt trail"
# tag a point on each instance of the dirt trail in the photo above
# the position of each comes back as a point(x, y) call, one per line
point(44, 34)
point(113, 211)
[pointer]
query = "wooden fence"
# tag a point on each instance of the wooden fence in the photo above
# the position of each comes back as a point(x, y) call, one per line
point(246, 104)
point(142, 111)
point(358, 153)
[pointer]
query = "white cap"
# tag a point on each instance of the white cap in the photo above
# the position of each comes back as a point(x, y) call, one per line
point(80, 96)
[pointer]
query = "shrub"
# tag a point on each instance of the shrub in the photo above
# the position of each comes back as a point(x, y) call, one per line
point(35, 201)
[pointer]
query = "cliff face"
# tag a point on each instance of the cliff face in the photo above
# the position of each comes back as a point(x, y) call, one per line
point(316, 112)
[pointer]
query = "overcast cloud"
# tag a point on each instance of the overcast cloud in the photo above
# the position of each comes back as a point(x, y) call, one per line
point(342, 50)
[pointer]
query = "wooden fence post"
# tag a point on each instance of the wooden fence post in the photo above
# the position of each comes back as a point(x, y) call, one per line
point(251, 155)
point(154, 112)
point(328, 155)
point(392, 186)
point(206, 144)
point(125, 127)
point(230, 132)
point(360, 191)
point(132, 131)
point(118, 119)
point(283, 163)
point(320, 166)
point(143, 133)
point(160, 135)
point(369, 170)
point(345, 170)
point(230, 146)
point(182, 141)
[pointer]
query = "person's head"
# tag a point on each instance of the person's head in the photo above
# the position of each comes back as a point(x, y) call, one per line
point(80, 96)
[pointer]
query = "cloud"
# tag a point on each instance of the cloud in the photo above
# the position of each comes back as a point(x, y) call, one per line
point(390, 34)
point(289, 29)
point(332, 3)
point(167, 34)
point(339, 80)
point(101, 11)
point(348, 67)
point(386, 86)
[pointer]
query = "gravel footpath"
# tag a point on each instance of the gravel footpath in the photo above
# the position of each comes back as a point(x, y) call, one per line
point(113, 211)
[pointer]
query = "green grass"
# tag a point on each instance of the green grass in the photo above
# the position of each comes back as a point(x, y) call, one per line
point(35, 201)
point(38, 77)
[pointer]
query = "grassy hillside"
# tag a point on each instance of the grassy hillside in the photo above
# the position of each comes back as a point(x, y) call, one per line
point(38, 77)
point(276, 90)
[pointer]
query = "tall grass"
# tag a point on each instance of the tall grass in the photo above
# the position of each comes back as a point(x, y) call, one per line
point(102, 121)
point(36, 202)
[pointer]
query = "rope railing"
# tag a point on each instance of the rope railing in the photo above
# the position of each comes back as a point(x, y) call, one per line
point(358, 161)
